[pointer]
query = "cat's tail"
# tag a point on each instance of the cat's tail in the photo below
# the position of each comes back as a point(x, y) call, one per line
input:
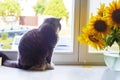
point(7, 62)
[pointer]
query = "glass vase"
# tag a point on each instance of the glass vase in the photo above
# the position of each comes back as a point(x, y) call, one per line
point(112, 57)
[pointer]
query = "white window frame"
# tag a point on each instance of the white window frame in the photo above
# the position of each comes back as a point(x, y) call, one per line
point(71, 57)
point(84, 56)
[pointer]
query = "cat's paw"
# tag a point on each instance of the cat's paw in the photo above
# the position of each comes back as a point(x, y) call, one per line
point(50, 66)
point(38, 68)
point(42, 68)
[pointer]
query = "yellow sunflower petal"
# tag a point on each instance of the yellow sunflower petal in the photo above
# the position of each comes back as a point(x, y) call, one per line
point(113, 5)
point(91, 38)
point(103, 29)
point(111, 14)
point(118, 3)
point(101, 9)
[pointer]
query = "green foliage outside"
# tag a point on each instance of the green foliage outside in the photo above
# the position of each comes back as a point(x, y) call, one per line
point(4, 36)
point(6, 43)
point(40, 7)
point(52, 7)
point(56, 8)
point(10, 7)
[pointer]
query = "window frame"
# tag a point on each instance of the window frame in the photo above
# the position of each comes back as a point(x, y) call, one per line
point(84, 56)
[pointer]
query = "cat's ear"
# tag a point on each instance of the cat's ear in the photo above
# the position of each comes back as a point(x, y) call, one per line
point(59, 19)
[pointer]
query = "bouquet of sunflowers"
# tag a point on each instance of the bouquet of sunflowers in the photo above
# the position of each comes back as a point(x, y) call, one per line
point(103, 29)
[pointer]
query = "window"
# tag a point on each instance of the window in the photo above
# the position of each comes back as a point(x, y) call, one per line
point(11, 30)
point(30, 18)
point(68, 50)
point(87, 54)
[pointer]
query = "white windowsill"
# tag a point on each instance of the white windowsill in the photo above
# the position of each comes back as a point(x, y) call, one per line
point(61, 72)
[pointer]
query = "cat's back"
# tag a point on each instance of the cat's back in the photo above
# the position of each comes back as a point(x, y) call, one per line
point(30, 40)
point(38, 38)
point(29, 36)
point(42, 37)
point(43, 34)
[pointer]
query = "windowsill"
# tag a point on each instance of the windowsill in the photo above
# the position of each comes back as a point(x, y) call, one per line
point(8, 50)
point(66, 72)
point(12, 54)
point(56, 49)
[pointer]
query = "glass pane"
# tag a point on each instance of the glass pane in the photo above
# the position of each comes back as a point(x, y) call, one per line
point(94, 5)
point(12, 28)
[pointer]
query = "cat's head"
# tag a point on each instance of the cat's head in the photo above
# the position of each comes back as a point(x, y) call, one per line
point(55, 22)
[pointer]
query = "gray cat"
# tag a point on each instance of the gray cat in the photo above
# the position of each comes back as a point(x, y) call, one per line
point(37, 45)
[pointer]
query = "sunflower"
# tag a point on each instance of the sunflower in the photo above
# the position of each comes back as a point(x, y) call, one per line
point(99, 25)
point(91, 38)
point(113, 14)
point(101, 10)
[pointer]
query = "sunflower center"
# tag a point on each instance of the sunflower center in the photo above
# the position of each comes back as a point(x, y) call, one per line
point(116, 16)
point(93, 39)
point(100, 26)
